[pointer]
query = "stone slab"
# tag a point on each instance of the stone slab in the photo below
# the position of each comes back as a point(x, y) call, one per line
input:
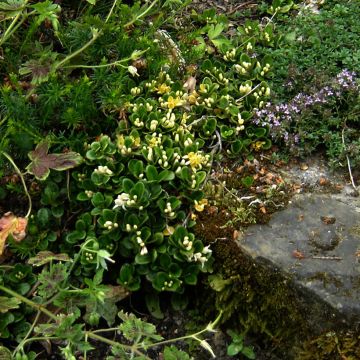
point(316, 241)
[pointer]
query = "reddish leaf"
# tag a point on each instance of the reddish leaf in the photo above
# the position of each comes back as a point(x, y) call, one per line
point(42, 162)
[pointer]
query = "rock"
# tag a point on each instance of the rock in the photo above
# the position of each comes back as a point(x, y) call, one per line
point(315, 242)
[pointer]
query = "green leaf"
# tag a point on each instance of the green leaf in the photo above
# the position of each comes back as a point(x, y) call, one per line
point(138, 190)
point(166, 175)
point(136, 167)
point(43, 216)
point(247, 181)
point(218, 283)
point(75, 236)
point(42, 162)
point(7, 304)
point(5, 353)
point(222, 43)
point(179, 301)
point(234, 349)
point(153, 305)
point(215, 31)
point(127, 185)
point(172, 353)
point(191, 279)
point(11, 5)
point(11, 8)
point(143, 259)
point(249, 352)
point(151, 173)
point(236, 146)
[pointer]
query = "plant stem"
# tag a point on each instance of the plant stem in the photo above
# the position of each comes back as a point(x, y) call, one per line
point(25, 16)
point(115, 63)
point(140, 15)
point(95, 35)
point(105, 330)
point(111, 11)
point(22, 181)
point(23, 341)
point(91, 335)
point(40, 338)
point(209, 328)
point(9, 31)
point(28, 302)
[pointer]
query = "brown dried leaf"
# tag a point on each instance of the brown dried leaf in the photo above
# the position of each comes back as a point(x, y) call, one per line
point(44, 257)
point(328, 219)
point(190, 84)
point(116, 293)
point(297, 254)
point(11, 225)
point(323, 181)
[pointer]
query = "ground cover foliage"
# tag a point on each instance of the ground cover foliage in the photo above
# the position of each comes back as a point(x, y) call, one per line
point(113, 115)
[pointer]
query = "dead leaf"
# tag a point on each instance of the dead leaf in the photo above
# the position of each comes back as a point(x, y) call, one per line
point(323, 181)
point(297, 254)
point(304, 166)
point(11, 225)
point(263, 209)
point(116, 293)
point(42, 162)
point(190, 84)
point(328, 219)
point(44, 257)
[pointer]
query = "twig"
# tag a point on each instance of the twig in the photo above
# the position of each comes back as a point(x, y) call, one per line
point(348, 160)
point(22, 181)
point(225, 188)
point(247, 94)
point(327, 257)
point(237, 7)
point(218, 145)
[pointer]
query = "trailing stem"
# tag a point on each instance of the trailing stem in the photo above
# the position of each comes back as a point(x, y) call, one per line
point(22, 181)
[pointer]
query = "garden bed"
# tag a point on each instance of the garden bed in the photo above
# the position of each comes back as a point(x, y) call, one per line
point(143, 145)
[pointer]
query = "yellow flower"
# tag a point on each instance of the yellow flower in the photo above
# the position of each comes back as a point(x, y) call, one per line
point(154, 141)
point(258, 145)
point(184, 118)
point(120, 141)
point(136, 141)
point(163, 89)
point(200, 205)
point(173, 102)
point(195, 159)
point(192, 98)
point(203, 88)
point(169, 230)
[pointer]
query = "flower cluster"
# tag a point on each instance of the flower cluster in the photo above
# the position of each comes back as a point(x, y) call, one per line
point(281, 117)
point(201, 256)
